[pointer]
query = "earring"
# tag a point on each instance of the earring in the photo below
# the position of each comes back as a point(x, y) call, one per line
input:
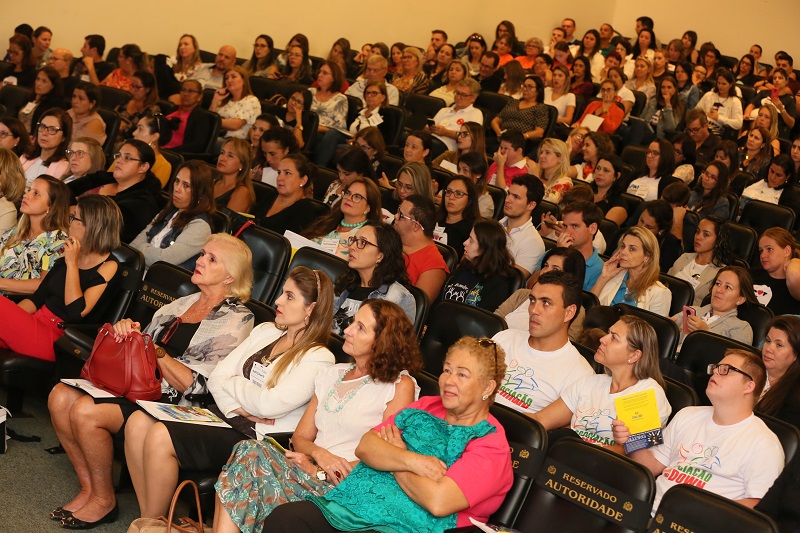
point(485, 397)
point(306, 319)
point(629, 361)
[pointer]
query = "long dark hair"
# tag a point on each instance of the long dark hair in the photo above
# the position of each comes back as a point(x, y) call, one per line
point(331, 221)
point(574, 263)
point(495, 259)
point(776, 396)
point(666, 159)
point(723, 250)
point(392, 267)
point(65, 121)
point(57, 92)
point(261, 64)
point(471, 211)
point(707, 203)
point(201, 177)
point(620, 182)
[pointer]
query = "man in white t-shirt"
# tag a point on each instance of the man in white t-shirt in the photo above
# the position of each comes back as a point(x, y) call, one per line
point(724, 448)
point(377, 68)
point(542, 362)
point(523, 241)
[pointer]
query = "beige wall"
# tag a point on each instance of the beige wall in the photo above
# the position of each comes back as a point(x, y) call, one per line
point(325, 21)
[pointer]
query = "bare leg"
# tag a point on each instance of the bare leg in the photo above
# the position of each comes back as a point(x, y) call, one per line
point(222, 520)
point(60, 403)
point(93, 424)
point(135, 433)
point(160, 471)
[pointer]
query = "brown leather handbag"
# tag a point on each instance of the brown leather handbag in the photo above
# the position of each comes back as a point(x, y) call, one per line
point(165, 524)
point(127, 368)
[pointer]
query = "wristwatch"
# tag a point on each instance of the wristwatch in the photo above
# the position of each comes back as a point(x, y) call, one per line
point(160, 352)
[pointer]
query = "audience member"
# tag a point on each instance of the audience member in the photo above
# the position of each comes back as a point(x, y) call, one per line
point(90, 67)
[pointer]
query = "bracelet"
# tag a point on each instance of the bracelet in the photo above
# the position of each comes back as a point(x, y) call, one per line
point(160, 352)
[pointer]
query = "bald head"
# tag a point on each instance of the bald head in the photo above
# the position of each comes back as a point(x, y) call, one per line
point(226, 58)
point(61, 59)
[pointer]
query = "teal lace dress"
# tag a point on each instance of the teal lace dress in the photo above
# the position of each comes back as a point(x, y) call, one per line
point(372, 499)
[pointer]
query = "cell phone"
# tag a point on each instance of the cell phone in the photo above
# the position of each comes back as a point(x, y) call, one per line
point(717, 105)
point(774, 92)
point(430, 122)
point(687, 311)
point(554, 225)
point(275, 444)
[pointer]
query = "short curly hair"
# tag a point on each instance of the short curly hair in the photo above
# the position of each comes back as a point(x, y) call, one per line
point(489, 354)
point(396, 348)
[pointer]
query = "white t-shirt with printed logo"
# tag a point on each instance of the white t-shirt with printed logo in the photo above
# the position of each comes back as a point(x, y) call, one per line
point(645, 188)
point(737, 461)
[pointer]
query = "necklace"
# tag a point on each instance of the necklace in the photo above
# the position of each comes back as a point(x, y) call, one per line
point(268, 359)
point(349, 396)
point(353, 225)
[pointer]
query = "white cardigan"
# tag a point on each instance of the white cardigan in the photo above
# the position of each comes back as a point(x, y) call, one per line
point(286, 401)
point(656, 299)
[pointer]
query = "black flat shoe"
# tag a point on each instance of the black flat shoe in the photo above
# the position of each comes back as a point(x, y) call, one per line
point(59, 514)
point(70, 522)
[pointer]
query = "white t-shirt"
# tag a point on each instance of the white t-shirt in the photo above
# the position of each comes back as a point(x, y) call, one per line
point(561, 103)
point(452, 119)
point(762, 191)
point(645, 187)
point(692, 272)
point(593, 406)
point(535, 379)
point(737, 461)
point(525, 244)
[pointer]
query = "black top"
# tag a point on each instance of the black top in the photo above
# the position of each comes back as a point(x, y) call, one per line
point(493, 82)
point(466, 287)
point(178, 337)
point(606, 204)
point(457, 233)
point(705, 152)
point(195, 135)
point(101, 68)
point(773, 293)
point(26, 78)
point(670, 249)
point(51, 293)
point(780, 501)
point(295, 218)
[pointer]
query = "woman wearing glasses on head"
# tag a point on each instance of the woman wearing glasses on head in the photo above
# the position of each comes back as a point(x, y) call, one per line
point(51, 138)
point(457, 213)
point(360, 203)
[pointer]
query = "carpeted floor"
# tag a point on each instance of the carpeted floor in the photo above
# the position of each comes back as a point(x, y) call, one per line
point(33, 482)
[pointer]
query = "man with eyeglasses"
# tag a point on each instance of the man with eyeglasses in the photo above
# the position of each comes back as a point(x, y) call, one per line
point(541, 362)
point(212, 75)
point(705, 142)
point(524, 242)
point(425, 266)
point(61, 60)
point(192, 132)
point(377, 68)
point(725, 448)
point(489, 75)
point(448, 121)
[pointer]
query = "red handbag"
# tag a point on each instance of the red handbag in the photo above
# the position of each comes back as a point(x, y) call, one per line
point(126, 368)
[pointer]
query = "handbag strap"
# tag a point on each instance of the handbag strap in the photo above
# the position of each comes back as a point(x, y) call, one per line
point(185, 521)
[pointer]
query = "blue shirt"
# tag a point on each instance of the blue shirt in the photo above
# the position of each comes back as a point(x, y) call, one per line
point(594, 267)
point(621, 296)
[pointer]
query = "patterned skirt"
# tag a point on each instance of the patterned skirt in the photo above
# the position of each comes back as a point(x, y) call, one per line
point(258, 478)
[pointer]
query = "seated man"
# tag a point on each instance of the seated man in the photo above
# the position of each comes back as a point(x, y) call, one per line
point(490, 76)
point(724, 448)
point(580, 222)
point(448, 121)
point(414, 222)
point(191, 134)
point(211, 75)
point(91, 67)
point(705, 142)
point(509, 161)
point(524, 242)
point(377, 68)
point(542, 361)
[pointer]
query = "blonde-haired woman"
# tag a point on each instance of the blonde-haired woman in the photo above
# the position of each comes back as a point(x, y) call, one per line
point(412, 79)
point(236, 104)
point(235, 189)
point(631, 275)
point(629, 355)
point(642, 78)
point(553, 169)
point(12, 185)
point(262, 387)
point(187, 57)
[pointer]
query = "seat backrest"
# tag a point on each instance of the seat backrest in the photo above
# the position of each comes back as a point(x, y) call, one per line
point(14, 98)
point(163, 283)
point(545, 207)
point(449, 255)
point(589, 300)
point(788, 434)
point(336, 346)
point(220, 222)
point(666, 330)
point(583, 487)
point(394, 120)
point(322, 180)
point(733, 202)
point(492, 103)
point(112, 98)
point(271, 254)
point(634, 155)
point(263, 88)
point(447, 322)
point(679, 395)
point(758, 317)
point(215, 124)
point(516, 281)
point(176, 160)
point(588, 354)
point(610, 230)
point(265, 195)
point(261, 311)
point(682, 292)
point(552, 118)
point(639, 103)
point(764, 215)
point(113, 122)
point(499, 198)
point(428, 384)
point(354, 106)
point(130, 271)
point(688, 508)
point(392, 164)
point(315, 259)
point(700, 349)
point(422, 307)
point(6, 68)
point(442, 178)
point(421, 107)
point(743, 241)
point(633, 201)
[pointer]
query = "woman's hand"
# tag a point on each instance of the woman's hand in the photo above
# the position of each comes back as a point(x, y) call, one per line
point(336, 467)
point(713, 114)
point(384, 181)
point(220, 94)
point(695, 323)
point(393, 436)
point(253, 418)
point(125, 327)
point(620, 431)
point(428, 466)
point(71, 251)
point(611, 267)
point(303, 462)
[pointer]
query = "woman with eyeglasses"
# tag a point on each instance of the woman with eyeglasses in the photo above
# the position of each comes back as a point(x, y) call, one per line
point(708, 196)
point(86, 121)
point(297, 68)
point(20, 54)
point(85, 156)
point(528, 115)
point(262, 62)
point(297, 117)
point(469, 139)
point(360, 203)
point(352, 163)
point(412, 79)
point(144, 101)
point(483, 277)
point(155, 130)
point(457, 213)
point(370, 140)
point(51, 139)
point(412, 178)
point(744, 71)
point(606, 108)
point(376, 270)
point(15, 137)
point(12, 186)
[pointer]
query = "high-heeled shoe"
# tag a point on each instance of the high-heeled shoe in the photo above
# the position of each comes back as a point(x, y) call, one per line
point(71, 522)
point(59, 514)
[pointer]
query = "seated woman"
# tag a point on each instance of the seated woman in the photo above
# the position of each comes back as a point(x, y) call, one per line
point(553, 169)
point(659, 165)
point(412, 80)
point(708, 197)
point(297, 68)
point(542, 66)
point(483, 278)
point(412, 178)
point(179, 231)
point(727, 153)
point(457, 214)
point(745, 75)
point(376, 270)
point(712, 251)
point(685, 157)
point(132, 185)
point(781, 99)
point(756, 154)
point(29, 249)
point(594, 144)
point(427, 430)
point(190, 131)
point(86, 121)
point(606, 108)
point(236, 104)
point(687, 91)
point(590, 49)
point(581, 83)
point(51, 139)
point(340, 53)
point(629, 355)
point(273, 146)
point(48, 92)
point(171, 72)
point(767, 118)
point(78, 288)
point(330, 105)
point(370, 140)
point(85, 156)
point(663, 113)
point(608, 186)
point(348, 399)
point(732, 288)
point(780, 351)
point(513, 78)
point(156, 131)
point(724, 113)
point(352, 163)
point(470, 138)
point(777, 282)
point(794, 151)
point(641, 79)
point(528, 115)
point(533, 47)
point(262, 62)
point(472, 165)
point(777, 187)
point(291, 208)
point(192, 334)
point(630, 276)
point(20, 54)
point(436, 69)
point(15, 137)
point(658, 216)
point(297, 116)
point(457, 71)
point(559, 96)
point(144, 101)
point(263, 123)
point(515, 309)
point(262, 387)
point(235, 190)
point(360, 203)
point(131, 59)
point(12, 187)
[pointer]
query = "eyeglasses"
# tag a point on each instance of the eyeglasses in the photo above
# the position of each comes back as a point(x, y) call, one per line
point(654, 152)
point(52, 130)
point(189, 91)
point(298, 101)
point(457, 194)
point(359, 242)
point(4, 134)
point(412, 220)
point(723, 369)
point(357, 198)
point(462, 134)
point(400, 186)
point(124, 157)
point(137, 86)
point(73, 218)
point(485, 343)
point(707, 174)
point(77, 153)
point(462, 95)
point(692, 131)
point(372, 93)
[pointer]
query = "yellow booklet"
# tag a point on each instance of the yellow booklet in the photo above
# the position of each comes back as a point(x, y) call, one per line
point(639, 411)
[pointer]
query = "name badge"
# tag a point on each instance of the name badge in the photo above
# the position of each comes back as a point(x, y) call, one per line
point(330, 245)
point(439, 235)
point(258, 374)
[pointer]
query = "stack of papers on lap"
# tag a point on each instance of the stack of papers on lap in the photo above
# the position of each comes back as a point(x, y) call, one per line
point(182, 413)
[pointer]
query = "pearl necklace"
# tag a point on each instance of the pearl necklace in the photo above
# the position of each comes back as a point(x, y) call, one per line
point(349, 396)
